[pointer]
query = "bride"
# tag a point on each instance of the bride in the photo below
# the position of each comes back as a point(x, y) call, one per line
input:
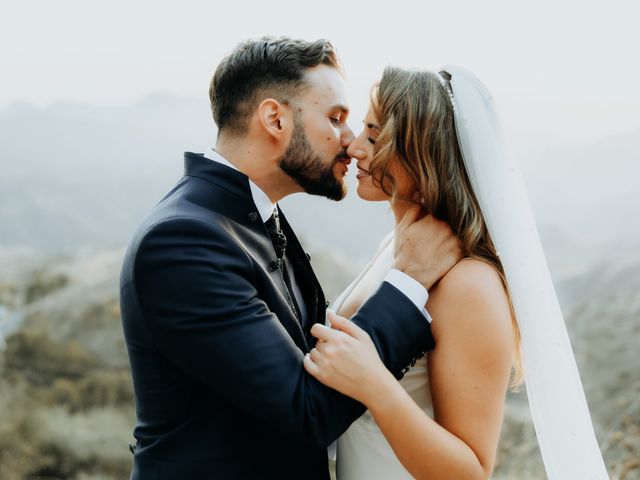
point(433, 139)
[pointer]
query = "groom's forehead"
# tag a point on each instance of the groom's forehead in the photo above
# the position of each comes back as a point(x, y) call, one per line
point(326, 86)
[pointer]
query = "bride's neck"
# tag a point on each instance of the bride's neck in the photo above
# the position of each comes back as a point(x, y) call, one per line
point(399, 208)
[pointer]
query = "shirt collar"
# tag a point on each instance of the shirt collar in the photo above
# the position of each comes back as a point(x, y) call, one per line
point(263, 203)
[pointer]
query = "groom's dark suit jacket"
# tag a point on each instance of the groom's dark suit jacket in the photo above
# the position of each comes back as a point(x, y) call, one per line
point(215, 350)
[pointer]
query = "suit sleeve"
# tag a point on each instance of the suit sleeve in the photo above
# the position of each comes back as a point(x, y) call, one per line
point(195, 286)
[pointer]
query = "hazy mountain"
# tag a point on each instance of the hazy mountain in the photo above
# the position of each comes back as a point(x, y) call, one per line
point(585, 201)
point(75, 175)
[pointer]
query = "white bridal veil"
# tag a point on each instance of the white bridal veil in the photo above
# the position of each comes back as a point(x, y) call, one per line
point(556, 398)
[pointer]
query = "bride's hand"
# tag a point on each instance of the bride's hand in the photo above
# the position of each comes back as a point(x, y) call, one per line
point(346, 360)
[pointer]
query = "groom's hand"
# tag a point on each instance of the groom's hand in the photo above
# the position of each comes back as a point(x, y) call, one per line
point(426, 248)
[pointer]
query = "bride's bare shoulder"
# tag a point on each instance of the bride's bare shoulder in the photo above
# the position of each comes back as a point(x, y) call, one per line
point(470, 296)
point(468, 279)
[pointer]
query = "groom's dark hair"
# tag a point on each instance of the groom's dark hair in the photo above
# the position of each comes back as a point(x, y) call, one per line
point(257, 69)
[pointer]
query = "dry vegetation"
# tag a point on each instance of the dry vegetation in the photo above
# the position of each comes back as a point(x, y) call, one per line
point(66, 403)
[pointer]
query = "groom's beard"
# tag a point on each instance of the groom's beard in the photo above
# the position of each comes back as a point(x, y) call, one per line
point(302, 164)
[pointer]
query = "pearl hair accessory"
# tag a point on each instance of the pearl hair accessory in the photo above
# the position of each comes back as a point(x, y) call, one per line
point(443, 82)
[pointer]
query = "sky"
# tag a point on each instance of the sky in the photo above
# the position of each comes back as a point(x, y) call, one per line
point(565, 71)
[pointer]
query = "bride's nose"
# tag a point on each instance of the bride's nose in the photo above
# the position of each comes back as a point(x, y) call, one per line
point(355, 150)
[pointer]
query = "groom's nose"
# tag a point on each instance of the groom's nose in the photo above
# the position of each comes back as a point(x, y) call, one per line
point(347, 136)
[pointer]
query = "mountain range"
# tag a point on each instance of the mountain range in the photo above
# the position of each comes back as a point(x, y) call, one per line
point(76, 176)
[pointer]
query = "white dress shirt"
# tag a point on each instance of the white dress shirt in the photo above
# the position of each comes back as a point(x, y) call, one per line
point(410, 287)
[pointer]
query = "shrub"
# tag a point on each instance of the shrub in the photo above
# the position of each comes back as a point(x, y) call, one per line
point(102, 388)
point(34, 356)
point(43, 284)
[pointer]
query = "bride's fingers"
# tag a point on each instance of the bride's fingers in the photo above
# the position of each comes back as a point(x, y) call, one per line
point(336, 321)
point(321, 346)
point(310, 366)
point(322, 332)
point(315, 355)
point(328, 314)
point(346, 326)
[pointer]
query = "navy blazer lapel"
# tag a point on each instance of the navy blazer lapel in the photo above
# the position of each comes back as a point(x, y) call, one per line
point(308, 282)
point(232, 198)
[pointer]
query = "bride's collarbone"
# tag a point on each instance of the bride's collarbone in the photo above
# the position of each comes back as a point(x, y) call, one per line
point(356, 298)
point(365, 288)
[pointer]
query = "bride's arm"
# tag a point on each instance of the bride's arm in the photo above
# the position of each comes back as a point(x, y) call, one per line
point(469, 373)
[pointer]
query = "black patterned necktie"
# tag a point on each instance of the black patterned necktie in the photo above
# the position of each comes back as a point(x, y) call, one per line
point(279, 240)
point(278, 237)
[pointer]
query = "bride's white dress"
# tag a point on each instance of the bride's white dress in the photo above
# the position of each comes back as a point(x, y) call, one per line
point(363, 452)
point(559, 409)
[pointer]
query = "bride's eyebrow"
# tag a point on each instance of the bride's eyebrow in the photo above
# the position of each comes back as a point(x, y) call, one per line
point(372, 126)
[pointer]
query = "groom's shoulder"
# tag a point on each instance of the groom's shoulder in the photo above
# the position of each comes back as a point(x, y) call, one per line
point(179, 238)
point(193, 214)
point(182, 228)
point(169, 227)
point(186, 208)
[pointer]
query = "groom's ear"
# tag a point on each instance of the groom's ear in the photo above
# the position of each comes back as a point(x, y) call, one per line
point(275, 119)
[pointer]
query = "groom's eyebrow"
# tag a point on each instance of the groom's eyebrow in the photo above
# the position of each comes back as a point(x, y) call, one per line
point(341, 107)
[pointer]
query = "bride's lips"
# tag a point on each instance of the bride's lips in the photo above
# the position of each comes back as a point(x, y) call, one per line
point(362, 172)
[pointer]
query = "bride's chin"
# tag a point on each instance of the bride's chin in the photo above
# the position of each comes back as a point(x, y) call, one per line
point(370, 193)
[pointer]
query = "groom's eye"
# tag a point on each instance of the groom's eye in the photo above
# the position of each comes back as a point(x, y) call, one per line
point(335, 120)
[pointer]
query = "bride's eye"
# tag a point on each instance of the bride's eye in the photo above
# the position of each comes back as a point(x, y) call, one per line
point(372, 129)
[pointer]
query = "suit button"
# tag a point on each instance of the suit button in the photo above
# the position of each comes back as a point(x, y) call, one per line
point(327, 303)
point(273, 266)
point(308, 256)
point(253, 216)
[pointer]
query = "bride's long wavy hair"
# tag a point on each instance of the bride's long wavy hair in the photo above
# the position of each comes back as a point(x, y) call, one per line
point(417, 130)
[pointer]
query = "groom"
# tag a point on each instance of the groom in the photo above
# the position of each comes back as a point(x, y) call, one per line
point(218, 296)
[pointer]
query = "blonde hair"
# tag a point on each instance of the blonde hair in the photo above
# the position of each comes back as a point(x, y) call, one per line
point(417, 133)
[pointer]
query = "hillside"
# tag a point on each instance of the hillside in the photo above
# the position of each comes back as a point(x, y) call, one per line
point(65, 370)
